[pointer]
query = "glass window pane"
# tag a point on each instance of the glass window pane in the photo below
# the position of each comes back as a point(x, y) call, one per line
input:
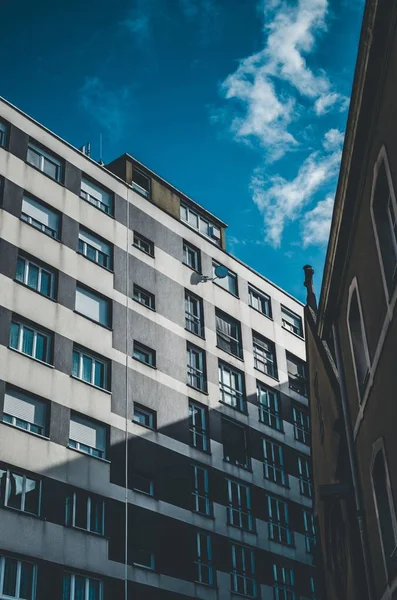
point(27, 341)
point(99, 374)
point(32, 490)
point(75, 366)
point(26, 589)
point(80, 515)
point(94, 589)
point(87, 368)
point(79, 587)
point(33, 158)
point(10, 577)
point(50, 169)
point(33, 276)
point(15, 491)
point(14, 335)
point(45, 286)
point(96, 519)
point(41, 347)
point(66, 587)
point(20, 274)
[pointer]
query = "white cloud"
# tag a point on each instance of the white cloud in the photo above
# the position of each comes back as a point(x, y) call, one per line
point(282, 201)
point(138, 25)
point(317, 223)
point(333, 139)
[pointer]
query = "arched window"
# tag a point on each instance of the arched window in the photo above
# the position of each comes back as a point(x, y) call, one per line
point(385, 216)
point(385, 510)
point(358, 340)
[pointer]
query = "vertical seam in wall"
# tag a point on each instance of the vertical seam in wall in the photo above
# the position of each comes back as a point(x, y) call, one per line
point(126, 406)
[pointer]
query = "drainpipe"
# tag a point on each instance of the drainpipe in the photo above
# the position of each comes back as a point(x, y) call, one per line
point(353, 464)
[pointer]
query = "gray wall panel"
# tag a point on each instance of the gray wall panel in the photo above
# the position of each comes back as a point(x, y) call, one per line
point(63, 349)
point(66, 290)
point(12, 198)
point(120, 269)
point(70, 232)
point(18, 144)
point(119, 386)
point(72, 178)
point(8, 259)
point(2, 392)
point(120, 210)
point(5, 324)
point(162, 237)
point(59, 424)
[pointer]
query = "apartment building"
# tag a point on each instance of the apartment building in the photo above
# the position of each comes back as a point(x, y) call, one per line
point(154, 428)
point(351, 338)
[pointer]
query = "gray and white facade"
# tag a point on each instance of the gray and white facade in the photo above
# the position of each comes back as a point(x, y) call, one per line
point(154, 430)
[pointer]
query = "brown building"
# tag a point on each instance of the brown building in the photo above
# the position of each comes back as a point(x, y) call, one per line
point(352, 337)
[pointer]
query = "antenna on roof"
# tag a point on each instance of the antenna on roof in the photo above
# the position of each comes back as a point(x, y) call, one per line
point(100, 150)
point(86, 149)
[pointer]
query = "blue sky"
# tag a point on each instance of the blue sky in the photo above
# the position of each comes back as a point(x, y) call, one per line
point(241, 104)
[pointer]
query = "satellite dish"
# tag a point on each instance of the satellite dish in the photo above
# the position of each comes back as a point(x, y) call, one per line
point(221, 272)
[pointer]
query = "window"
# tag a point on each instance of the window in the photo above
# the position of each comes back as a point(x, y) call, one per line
point(31, 341)
point(87, 436)
point(95, 249)
point(77, 587)
point(144, 297)
point(198, 426)
point(37, 278)
point(191, 257)
point(91, 369)
point(234, 439)
point(228, 283)
point(142, 484)
point(194, 314)
point(385, 511)
point(301, 425)
point(45, 161)
point(96, 195)
point(85, 512)
point(260, 301)
point(284, 583)
point(93, 306)
point(142, 558)
point(273, 465)
point(17, 579)
point(140, 183)
point(310, 531)
point(358, 342)
point(305, 485)
point(144, 416)
point(385, 211)
point(313, 589)
point(20, 492)
point(269, 407)
point(40, 216)
point(201, 224)
point(25, 411)
point(228, 334)
point(3, 134)
point(279, 531)
point(143, 244)
point(196, 376)
point(296, 374)
point(239, 505)
point(201, 496)
point(231, 387)
point(264, 355)
point(203, 564)
point(243, 571)
point(144, 354)
point(291, 321)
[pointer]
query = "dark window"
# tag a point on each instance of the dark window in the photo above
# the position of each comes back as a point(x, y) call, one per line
point(305, 484)
point(82, 588)
point(231, 387)
point(3, 134)
point(357, 336)
point(141, 484)
point(278, 519)
point(242, 573)
point(31, 341)
point(140, 183)
point(301, 425)
point(144, 354)
point(385, 511)
point(95, 249)
point(235, 448)
point(228, 283)
point(264, 355)
point(385, 212)
point(20, 492)
point(310, 531)
point(198, 426)
point(142, 558)
point(143, 244)
point(291, 321)
point(191, 256)
point(284, 583)
point(39, 279)
point(17, 579)
point(90, 368)
point(45, 161)
point(96, 195)
point(273, 464)
point(200, 491)
point(196, 369)
point(296, 374)
point(269, 407)
point(144, 297)
point(228, 334)
point(200, 223)
point(203, 564)
point(85, 511)
point(259, 301)
point(194, 314)
point(25, 411)
point(239, 511)
point(144, 416)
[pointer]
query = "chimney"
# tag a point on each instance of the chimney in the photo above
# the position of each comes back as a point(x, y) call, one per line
point(308, 283)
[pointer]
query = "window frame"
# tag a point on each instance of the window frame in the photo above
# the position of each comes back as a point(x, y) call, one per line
point(136, 290)
point(12, 420)
point(82, 289)
point(198, 494)
point(4, 501)
point(246, 553)
point(239, 395)
point(28, 263)
point(247, 464)
point(305, 479)
point(3, 558)
point(76, 445)
point(137, 187)
point(95, 202)
point(193, 319)
point(279, 527)
point(138, 347)
point(147, 412)
point(361, 386)
point(301, 422)
point(96, 359)
point(141, 565)
point(235, 327)
point(238, 511)
point(195, 373)
point(86, 245)
point(288, 326)
point(260, 354)
point(274, 415)
point(37, 330)
point(230, 276)
point(284, 581)
point(199, 563)
point(201, 219)
point(310, 530)
point(136, 476)
point(300, 378)
point(187, 248)
point(139, 239)
point(195, 432)
point(46, 155)
point(4, 134)
point(263, 299)
point(87, 581)
point(70, 511)
point(29, 220)
point(276, 465)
